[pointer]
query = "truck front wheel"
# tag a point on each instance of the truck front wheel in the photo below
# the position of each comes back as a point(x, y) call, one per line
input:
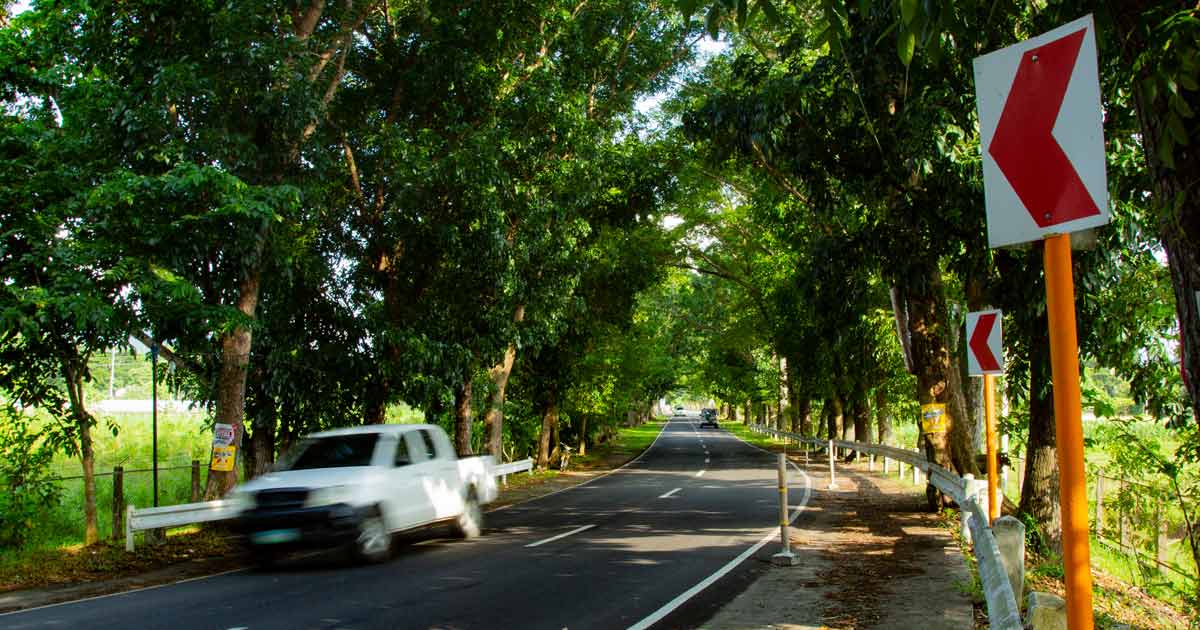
point(373, 543)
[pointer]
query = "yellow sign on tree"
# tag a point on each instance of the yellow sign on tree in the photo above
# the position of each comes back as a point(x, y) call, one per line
point(933, 418)
point(223, 458)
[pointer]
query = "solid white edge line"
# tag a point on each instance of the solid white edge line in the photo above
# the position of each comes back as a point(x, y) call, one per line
point(136, 590)
point(560, 536)
point(668, 495)
point(596, 478)
point(683, 597)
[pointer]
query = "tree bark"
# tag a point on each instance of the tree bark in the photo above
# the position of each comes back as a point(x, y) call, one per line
point(231, 381)
point(549, 425)
point(87, 456)
point(263, 445)
point(1175, 194)
point(493, 420)
point(462, 417)
point(936, 371)
point(861, 412)
point(832, 411)
point(583, 434)
point(802, 420)
point(1039, 491)
point(883, 417)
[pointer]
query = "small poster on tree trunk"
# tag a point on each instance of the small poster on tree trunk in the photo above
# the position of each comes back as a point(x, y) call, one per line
point(933, 418)
point(224, 452)
point(223, 458)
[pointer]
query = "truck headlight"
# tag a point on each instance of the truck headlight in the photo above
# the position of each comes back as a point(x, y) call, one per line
point(328, 496)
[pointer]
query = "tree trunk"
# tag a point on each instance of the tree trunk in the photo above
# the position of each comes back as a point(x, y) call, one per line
point(375, 411)
point(583, 434)
point(861, 411)
point(748, 415)
point(263, 445)
point(802, 420)
point(732, 412)
point(87, 456)
point(832, 411)
point(549, 425)
point(231, 380)
point(1040, 490)
point(462, 417)
point(883, 418)
point(1175, 195)
point(937, 372)
point(493, 420)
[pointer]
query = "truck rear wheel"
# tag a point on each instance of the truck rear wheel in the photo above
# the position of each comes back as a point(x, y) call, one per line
point(470, 522)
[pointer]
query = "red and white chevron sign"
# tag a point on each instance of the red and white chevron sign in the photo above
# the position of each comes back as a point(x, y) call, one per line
point(985, 344)
point(1042, 134)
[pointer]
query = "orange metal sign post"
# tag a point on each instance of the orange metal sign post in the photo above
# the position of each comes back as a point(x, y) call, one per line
point(993, 447)
point(1064, 363)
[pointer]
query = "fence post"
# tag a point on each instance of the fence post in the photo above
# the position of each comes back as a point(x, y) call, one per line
point(1160, 539)
point(195, 480)
point(1122, 530)
point(1004, 472)
point(1099, 504)
point(832, 474)
point(118, 502)
point(871, 462)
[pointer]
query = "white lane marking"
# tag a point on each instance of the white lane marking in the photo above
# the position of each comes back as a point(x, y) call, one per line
point(683, 597)
point(136, 590)
point(700, 474)
point(670, 493)
point(560, 536)
point(706, 459)
point(597, 477)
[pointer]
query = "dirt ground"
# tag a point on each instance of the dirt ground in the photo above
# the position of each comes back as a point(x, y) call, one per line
point(869, 556)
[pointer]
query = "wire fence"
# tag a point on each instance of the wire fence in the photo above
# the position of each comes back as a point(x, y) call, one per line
point(1134, 519)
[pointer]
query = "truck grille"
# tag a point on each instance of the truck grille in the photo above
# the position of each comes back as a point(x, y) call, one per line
point(281, 499)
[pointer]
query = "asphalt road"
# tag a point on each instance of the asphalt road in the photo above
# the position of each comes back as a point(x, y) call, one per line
point(655, 544)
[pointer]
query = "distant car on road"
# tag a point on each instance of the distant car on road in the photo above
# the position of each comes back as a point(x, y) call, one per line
point(679, 410)
point(356, 487)
point(708, 418)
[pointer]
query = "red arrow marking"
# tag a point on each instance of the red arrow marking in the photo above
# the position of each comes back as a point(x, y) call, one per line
point(1024, 146)
point(979, 343)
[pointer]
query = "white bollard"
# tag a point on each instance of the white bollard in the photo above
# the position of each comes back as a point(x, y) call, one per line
point(832, 473)
point(784, 558)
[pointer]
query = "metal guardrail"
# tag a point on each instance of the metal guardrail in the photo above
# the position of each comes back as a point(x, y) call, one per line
point(1003, 611)
point(504, 470)
point(175, 516)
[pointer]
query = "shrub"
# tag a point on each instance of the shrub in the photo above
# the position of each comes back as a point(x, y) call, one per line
point(24, 477)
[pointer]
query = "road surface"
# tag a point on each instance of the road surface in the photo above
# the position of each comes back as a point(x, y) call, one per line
point(664, 541)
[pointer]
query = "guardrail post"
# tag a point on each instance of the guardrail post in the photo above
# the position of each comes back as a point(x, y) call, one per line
point(1010, 538)
point(832, 473)
point(195, 480)
point(964, 515)
point(871, 462)
point(916, 475)
point(900, 469)
point(129, 528)
point(784, 558)
point(887, 465)
point(118, 502)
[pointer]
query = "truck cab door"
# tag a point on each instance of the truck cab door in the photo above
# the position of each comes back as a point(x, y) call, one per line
point(405, 493)
point(440, 474)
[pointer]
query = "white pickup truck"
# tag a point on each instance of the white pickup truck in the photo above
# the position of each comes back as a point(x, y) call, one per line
point(358, 486)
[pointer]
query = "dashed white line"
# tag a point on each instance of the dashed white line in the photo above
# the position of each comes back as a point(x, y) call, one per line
point(706, 460)
point(701, 473)
point(670, 493)
point(560, 536)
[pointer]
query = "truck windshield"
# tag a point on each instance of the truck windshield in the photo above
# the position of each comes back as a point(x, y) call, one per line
point(333, 452)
